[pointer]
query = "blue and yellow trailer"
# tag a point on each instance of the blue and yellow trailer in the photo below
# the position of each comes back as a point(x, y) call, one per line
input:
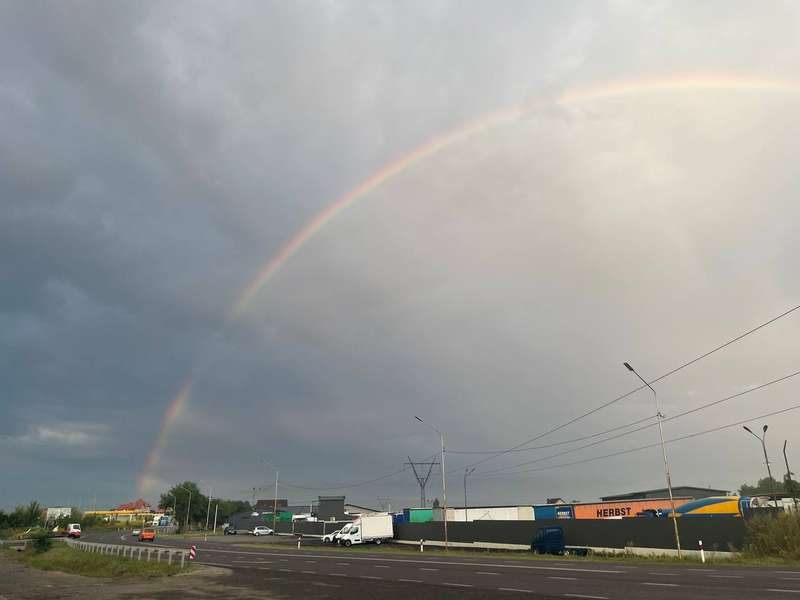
point(714, 506)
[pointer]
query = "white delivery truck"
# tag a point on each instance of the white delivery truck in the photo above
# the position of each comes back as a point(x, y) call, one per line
point(368, 529)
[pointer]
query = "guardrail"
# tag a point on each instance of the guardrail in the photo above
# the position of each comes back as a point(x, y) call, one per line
point(131, 552)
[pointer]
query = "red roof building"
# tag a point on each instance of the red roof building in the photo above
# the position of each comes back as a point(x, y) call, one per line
point(139, 504)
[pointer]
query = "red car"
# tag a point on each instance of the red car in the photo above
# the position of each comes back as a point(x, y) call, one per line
point(148, 534)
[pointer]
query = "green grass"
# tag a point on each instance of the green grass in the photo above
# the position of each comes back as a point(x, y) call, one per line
point(79, 562)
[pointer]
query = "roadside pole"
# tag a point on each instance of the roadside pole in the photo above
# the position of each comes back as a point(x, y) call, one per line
point(216, 508)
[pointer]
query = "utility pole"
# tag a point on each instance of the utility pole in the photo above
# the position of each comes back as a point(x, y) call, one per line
point(789, 482)
point(275, 503)
point(208, 512)
point(467, 473)
point(763, 439)
point(188, 507)
point(660, 417)
point(422, 480)
point(444, 478)
point(216, 508)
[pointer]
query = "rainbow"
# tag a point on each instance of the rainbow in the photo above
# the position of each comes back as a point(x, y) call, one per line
point(174, 410)
point(691, 83)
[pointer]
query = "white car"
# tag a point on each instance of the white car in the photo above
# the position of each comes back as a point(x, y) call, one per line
point(261, 530)
point(330, 538)
point(136, 531)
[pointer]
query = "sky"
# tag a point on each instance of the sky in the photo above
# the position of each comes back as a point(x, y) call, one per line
point(569, 186)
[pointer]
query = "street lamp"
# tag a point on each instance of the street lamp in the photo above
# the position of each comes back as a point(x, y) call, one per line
point(660, 416)
point(444, 478)
point(189, 505)
point(208, 510)
point(275, 504)
point(763, 439)
point(467, 473)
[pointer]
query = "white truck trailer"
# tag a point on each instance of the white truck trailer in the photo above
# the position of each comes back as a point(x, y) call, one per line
point(368, 529)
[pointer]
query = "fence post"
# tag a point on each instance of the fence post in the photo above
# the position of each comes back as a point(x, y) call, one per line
point(140, 554)
point(169, 561)
point(158, 555)
point(183, 557)
point(702, 552)
point(148, 555)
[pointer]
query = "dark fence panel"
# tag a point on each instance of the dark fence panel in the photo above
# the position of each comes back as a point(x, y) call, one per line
point(308, 527)
point(719, 533)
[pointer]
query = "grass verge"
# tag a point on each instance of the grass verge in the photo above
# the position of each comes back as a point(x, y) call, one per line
point(78, 562)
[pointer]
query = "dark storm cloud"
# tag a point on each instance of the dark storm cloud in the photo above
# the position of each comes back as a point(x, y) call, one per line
point(153, 155)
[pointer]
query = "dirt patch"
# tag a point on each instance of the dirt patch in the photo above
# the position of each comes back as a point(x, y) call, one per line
point(19, 581)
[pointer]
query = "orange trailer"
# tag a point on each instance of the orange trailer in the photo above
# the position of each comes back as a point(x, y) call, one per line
point(624, 509)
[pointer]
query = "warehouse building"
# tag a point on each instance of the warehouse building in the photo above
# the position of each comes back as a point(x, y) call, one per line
point(684, 491)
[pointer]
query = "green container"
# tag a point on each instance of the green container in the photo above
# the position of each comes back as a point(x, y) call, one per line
point(282, 517)
point(420, 515)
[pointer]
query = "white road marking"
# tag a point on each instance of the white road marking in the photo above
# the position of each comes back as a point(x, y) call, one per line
point(457, 584)
point(369, 577)
point(485, 573)
point(286, 570)
point(701, 570)
point(432, 562)
point(411, 580)
point(661, 584)
point(664, 574)
point(783, 591)
point(311, 562)
point(586, 596)
point(381, 566)
point(424, 569)
point(343, 564)
point(564, 578)
point(337, 574)
point(787, 572)
point(727, 576)
point(515, 590)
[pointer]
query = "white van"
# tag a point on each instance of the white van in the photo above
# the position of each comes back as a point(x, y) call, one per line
point(74, 530)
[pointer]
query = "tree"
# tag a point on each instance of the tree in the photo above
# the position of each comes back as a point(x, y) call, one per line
point(228, 508)
point(178, 496)
point(764, 487)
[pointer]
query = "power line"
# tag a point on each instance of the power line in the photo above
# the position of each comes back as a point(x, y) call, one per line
point(639, 448)
point(641, 387)
point(348, 485)
point(672, 418)
point(552, 445)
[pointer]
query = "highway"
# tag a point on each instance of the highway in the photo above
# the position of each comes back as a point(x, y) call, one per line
point(333, 574)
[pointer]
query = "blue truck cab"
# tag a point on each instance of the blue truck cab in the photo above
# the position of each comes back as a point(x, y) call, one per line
point(548, 540)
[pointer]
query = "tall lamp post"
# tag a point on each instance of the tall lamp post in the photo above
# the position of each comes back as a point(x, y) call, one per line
point(444, 478)
point(790, 484)
point(275, 503)
point(763, 439)
point(660, 416)
point(467, 473)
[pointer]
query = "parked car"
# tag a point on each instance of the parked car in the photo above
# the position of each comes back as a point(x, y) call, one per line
point(330, 538)
point(136, 531)
point(148, 534)
point(262, 530)
point(229, 530)
point(74, 530)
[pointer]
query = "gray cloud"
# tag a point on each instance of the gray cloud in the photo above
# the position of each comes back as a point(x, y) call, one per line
point(154, 155)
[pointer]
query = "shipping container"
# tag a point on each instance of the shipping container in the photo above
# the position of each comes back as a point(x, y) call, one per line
point(553, 511)
point(624, 509)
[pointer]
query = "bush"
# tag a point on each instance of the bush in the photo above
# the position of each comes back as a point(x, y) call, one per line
point(41, 541)
point(773, 536)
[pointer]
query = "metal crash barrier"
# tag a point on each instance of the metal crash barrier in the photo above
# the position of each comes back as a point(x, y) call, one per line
point(133, 552)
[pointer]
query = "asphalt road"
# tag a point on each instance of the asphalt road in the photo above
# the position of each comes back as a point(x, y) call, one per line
point(346, 573)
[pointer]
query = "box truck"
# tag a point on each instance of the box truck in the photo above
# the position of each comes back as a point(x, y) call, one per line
point(368, 529)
